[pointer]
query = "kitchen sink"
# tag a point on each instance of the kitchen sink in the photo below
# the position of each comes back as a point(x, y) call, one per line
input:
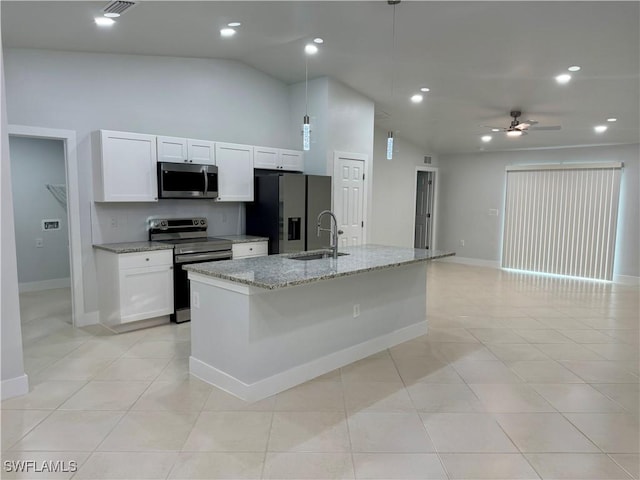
point(315, 256)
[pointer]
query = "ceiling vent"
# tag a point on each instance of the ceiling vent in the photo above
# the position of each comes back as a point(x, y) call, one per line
point(427, 159)
point(118, 6)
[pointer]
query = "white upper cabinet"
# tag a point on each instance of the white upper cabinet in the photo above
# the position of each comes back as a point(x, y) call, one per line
point(124, 167)
point(292, 160)
point(266, 157)
point(186, 150)
point(235, 172)
point(279, 159)
point(201, 151)
point(172, 149)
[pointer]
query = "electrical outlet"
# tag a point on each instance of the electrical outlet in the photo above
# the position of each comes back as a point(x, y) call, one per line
point(462, 243)
point(356, 310)
point(195, 300)
point(39, 243)
point(113, 222)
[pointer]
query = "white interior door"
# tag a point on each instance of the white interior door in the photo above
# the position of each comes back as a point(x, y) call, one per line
point(349, 199)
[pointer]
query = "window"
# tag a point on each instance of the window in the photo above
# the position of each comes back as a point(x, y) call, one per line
point(561, 219)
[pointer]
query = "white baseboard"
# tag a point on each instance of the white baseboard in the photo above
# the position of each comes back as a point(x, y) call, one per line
point(621, 279)
point(300, 374)
point(14, 387)
point(476, 262)
point(626, 280)
point(44, 285)
point(87, 318)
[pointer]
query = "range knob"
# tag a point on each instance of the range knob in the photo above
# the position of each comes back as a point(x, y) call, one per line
point(163, 223)
point(202, 222)
point(195, 222)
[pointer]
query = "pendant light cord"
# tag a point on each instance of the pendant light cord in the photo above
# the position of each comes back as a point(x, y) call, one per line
point(393, 49)
point(306, 86)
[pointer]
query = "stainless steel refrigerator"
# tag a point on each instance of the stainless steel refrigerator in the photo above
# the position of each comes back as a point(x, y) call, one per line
point(286, 208)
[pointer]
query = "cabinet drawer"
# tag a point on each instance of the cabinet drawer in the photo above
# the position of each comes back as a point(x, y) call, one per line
point(145, 259)
point(251, 249)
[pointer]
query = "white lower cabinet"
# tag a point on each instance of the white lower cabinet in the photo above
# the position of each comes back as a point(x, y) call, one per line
point(250, 249)
point(134, 286)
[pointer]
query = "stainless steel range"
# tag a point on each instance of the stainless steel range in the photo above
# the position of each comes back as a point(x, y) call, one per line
point(191, 245)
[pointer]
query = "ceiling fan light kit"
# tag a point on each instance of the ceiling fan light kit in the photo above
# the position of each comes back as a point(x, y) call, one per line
point(517, 128)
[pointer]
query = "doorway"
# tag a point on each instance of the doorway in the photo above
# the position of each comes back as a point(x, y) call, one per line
point(71, 217)
point(425, 198)
point(349, 197)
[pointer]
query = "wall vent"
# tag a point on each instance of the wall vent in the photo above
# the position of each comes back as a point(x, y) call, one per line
point(427, 159)
point(118, 6)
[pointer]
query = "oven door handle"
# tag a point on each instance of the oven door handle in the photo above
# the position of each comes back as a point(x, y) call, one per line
point(203, 257)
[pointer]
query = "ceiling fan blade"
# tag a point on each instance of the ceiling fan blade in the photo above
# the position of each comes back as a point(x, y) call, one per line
point(548, 127)
point(522, 126)
point(530, 122)
point(502, 129)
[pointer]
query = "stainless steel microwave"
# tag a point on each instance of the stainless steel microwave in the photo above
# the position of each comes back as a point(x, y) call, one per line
point(187, 180)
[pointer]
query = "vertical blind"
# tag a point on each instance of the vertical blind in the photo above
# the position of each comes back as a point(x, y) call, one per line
point(562, 219)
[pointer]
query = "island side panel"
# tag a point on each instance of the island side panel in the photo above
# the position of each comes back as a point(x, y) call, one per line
point(255, 342)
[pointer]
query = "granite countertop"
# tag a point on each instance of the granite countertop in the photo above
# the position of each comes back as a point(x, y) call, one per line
point(242, 238)
point(279, 271)
point(131, 247)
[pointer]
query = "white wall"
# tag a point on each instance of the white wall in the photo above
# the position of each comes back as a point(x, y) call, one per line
point(394, 184)
point(36, 162)
point(14, 381)
point(197, 98)
point(471, 184)
point(351, 117)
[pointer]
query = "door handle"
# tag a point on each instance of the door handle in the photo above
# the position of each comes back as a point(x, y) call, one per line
point(206, 181)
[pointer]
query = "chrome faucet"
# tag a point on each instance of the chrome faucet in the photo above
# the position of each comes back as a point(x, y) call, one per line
point(334, 232)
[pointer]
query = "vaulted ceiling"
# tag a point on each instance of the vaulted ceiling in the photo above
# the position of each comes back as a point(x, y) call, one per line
point(479, 59)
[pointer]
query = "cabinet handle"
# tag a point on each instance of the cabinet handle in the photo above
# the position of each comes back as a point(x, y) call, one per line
point(170, 268)
point(251, 249)
point(147, 259)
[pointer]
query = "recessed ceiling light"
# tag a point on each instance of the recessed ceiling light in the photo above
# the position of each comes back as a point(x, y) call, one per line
point(424, 89)
point(574, 68)
point(318, 40)
point(310, 49)
point(233, 24)
point(417, 98)
point(600, 128)
point(514, 133)
point(227, 32)
point(104, 21)
point(112, 15)
point(486, 138)
point(564, 78)
point(612, 119)
point(495, 129)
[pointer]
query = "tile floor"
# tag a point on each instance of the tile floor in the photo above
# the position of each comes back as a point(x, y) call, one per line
point(520, 377)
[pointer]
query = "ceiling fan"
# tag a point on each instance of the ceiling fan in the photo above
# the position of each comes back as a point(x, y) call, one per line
point(518, 128)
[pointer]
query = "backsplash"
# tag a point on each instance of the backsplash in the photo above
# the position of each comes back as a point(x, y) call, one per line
point(127, 222)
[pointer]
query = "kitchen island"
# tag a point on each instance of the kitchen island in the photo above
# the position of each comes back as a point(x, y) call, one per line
point(262, 325)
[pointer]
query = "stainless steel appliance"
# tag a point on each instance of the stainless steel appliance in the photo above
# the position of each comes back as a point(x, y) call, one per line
point(190, 245)
point(285, 209)
point(187, 180)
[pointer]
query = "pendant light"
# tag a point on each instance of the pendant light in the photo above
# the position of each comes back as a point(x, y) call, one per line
point(306, 128)
point(393, 47)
